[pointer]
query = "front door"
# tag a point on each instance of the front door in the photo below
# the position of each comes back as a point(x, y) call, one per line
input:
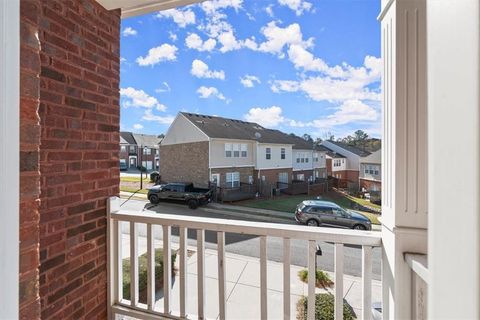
point(133, 162)
point(215, 178)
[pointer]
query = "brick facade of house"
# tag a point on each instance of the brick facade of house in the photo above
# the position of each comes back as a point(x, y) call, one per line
point(245, 173)
point(69, 155)
point(29, 160)
point(271, 175)
point(370, 184)
point(185, 162)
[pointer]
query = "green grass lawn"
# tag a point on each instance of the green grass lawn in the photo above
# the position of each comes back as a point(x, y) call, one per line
point(132, 190)
point(134, 179)
point(289, 203)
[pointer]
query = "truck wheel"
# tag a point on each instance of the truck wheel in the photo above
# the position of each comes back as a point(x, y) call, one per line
point(154, 199)
point(192, 204)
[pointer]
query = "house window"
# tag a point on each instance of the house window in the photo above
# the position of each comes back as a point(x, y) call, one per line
point(228, 150)
point(366, 169)
point(250, 179)
point(244, 150)
point(298, 160)
point(123, 148)
point(232, 179)
point(306, 160)
point(337, 162)
point(377, 169)
point(147, 151)
point(268, 153)
point(282, 153)
point(236, 150)
point(315, 157)
point(283, 177)
point(301, 177)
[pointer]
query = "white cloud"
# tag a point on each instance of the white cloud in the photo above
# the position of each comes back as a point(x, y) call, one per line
point(267, 117)
point(172, 36)
point(278, 37)
point(193, 41)
point(139, 99)
point(338, 83)
point(248, 81)
point(302, 59)
point(299, 6)
point(165, 52)
point(166, 88)
point(212, 6)
point(181, 17)
point(269, 10)
point(129, 31)
point(347, 112)
point(149, 116)
point(201, 70)
point(206, 92)
point(137, 126)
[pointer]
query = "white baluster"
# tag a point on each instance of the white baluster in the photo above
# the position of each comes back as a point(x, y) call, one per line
point(367, 282)
point(338, 281)
point(150, 268)
point(133, 265)
point(286, 278)
point(201, 273)
point(263, 278)
point(167, 269)
point(312, 255)
point(221, 275)
point(183, 271)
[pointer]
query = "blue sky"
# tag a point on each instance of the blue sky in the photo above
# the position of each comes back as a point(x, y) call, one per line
point(298, 66)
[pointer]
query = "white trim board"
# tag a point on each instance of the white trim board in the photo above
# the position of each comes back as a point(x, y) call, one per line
point(9, 157)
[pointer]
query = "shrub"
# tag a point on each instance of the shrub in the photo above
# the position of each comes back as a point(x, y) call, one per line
point(142, 169)
point(324, 308)
point(142, 274)
point(322, 279)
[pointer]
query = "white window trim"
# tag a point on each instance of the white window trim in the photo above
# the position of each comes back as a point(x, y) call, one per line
point(9, 156)
point(230, 178)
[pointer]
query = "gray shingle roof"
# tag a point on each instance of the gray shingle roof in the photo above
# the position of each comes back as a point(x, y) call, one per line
point(331, 153)
point(128, 137)
point(354, 150)
point(224, 128)
point(147, 140)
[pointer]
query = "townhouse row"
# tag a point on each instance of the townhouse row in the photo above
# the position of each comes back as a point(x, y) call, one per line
point(206, 149)
point(139, 150)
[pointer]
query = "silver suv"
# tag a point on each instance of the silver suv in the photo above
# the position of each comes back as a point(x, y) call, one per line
point(328, 214)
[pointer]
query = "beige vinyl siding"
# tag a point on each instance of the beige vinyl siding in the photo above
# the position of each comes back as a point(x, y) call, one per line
point(218, 158)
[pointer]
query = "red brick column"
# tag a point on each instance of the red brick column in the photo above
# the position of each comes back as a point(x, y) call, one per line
point(79, 117)
point(29, 159)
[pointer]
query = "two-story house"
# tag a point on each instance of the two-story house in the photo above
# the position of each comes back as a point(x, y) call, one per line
point(345, 161)
point(371, 171)
point(308, 160)
point(228, 152)
point(139, 149)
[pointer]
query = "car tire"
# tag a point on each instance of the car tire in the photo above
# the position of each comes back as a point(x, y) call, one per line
point(154, 199)
point(192, 204)
point(359, 227)
point(312, 223)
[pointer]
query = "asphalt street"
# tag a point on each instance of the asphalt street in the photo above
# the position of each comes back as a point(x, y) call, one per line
point(249, 245)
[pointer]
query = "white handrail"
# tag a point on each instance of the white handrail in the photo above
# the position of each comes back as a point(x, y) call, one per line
point(344, 236)
point(263, 230)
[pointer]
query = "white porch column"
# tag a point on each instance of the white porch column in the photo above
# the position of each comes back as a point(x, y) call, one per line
point(454, 159)
point(9, 157)
point(404, 148)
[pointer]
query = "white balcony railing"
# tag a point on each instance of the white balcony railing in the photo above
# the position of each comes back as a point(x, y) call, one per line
point(132, 307)
point(418, 264)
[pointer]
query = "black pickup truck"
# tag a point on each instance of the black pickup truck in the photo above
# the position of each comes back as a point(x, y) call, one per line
point(184, 192)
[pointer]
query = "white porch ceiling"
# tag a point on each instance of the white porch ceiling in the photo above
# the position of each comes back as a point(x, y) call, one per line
point(132, 8)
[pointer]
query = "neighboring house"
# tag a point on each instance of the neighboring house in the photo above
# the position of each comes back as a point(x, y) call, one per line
point(131, 144)
point(228, 152)
point(308, 160)
point(345, 160)
point(128, 149)
point(370, 171)
point(149, 146)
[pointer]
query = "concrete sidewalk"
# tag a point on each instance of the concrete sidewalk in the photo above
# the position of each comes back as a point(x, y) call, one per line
point(243, 285)
point(243, 288)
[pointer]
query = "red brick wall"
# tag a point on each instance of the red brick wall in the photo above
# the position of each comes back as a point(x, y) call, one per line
point(79, 118)
point(29, 160)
